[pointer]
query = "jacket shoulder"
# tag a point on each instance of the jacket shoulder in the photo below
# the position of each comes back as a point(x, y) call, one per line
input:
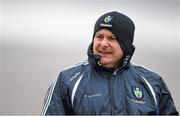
point(73, 71)
point(145, 72)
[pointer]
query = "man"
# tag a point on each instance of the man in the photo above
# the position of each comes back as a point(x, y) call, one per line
point(108, 83)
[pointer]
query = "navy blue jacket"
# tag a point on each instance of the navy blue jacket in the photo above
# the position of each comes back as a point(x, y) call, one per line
point(89, 89)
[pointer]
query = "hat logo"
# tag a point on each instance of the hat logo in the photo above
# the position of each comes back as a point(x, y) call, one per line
point(108, 19)
point(138, 92)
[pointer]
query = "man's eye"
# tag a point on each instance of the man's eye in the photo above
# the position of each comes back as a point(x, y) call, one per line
point(99, 37)
point(112, 38)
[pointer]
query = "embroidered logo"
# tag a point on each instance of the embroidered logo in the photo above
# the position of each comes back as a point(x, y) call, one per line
point(137, 92)
point(108, 19)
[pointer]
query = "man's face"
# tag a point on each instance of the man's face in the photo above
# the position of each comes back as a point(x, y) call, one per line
point(107, 46)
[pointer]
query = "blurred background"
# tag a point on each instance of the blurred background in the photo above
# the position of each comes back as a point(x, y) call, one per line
point(39, 38)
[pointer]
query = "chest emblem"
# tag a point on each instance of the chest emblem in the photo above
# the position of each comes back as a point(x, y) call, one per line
point(137, 92)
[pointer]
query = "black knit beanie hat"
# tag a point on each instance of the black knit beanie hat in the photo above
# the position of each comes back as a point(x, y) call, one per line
point(121, 26)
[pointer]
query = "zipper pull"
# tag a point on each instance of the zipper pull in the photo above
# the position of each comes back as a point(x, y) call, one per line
point(115, 72)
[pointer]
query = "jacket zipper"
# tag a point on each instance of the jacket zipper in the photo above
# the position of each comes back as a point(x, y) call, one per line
point(111, 90)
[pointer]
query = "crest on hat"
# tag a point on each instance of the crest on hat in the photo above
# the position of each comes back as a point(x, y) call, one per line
point(137, 92)
point(107, 19)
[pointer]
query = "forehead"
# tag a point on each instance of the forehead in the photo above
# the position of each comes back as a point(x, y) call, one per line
point(105, 32)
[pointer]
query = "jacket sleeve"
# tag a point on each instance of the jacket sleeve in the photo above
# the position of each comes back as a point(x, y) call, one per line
point(166, 104)
point(53, 103)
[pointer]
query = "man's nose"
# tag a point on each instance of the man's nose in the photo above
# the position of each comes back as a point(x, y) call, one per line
point(104, 42)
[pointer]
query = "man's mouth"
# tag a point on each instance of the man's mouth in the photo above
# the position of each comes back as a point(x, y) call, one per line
point(104, 53)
